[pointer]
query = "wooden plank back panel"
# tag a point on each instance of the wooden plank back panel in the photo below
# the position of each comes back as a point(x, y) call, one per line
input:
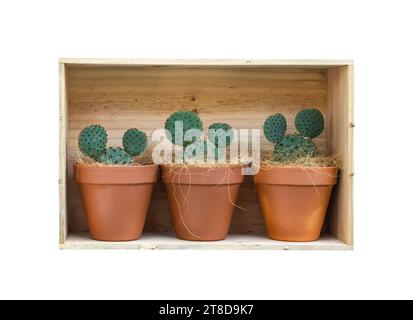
point(124, 97)
point(340, 131)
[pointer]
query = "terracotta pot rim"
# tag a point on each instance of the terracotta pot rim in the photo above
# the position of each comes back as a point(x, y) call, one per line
point(211, 166)
point(115, 175)
point(271, 166)
point(202, 175)
point(115, 166)
point(302, 176)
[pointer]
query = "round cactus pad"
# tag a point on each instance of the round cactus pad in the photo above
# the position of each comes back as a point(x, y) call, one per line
point(218, 130)
point(134, 142)
point(190, 120)
point(92, 141)
point(275, 127)
point(309, 122)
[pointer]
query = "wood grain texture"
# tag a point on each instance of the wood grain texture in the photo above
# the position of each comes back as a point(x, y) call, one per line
point(340, 132)
point(120, 97)
point(167, 241)
point(63, 133)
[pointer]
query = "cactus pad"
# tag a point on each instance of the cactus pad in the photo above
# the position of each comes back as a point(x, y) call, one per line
point(115, 156)
point(92, 141)
point(190, 120)
point(275, 127)
point(309, 122)
point(134, 142)
point(294, 146)
point(218, 129)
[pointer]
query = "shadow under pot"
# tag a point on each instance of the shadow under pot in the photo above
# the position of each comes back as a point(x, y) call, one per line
point(202, 199)
point(116, 199)
point(294, 201)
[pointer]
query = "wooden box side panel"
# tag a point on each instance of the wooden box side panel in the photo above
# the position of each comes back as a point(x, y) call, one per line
point(340, 134)
point(125, 97)
point(63, 125)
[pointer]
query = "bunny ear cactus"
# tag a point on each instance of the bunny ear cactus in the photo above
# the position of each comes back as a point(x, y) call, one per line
point(275, 127)
point(309, 124)
point(294, 146)
point(92, 141)
point(220, 135)
point(189, 119)
point(134, 142)
point(220, 131)
point(115, 156)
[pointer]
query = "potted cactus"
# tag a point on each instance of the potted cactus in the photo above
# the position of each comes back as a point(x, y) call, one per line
point(293, 188)
point(115, 186)
point(201, 193)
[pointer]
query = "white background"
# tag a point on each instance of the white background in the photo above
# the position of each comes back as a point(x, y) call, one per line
point(376, 34)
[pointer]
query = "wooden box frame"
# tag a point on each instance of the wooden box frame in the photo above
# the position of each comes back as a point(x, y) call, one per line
point(85, 91)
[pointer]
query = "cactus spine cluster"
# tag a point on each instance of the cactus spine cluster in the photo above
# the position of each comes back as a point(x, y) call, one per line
point(93, 139)
point(309, 124)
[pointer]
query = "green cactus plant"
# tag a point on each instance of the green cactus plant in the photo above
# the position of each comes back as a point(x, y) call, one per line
point(218, 130)
point(134, 142)
point(275, 127)
point(309, 124)
point(115, 156)
point(190, 120)
point(92, 141)
point(294, 146)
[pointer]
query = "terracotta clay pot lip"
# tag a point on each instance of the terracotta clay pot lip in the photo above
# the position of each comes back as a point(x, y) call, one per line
point(311, 176)
point(202, 175)
point(108, 174)
point(119, 166)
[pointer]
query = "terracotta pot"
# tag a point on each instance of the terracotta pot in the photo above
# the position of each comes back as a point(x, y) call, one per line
point(202, 199)
point(294, 201)
point(116, 199)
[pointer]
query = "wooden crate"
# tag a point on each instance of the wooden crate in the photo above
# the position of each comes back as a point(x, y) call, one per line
point(121, 94)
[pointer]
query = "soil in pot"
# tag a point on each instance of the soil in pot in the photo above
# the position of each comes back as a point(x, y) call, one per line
point(294, 200)
point(116, 199)
point(202, 199)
